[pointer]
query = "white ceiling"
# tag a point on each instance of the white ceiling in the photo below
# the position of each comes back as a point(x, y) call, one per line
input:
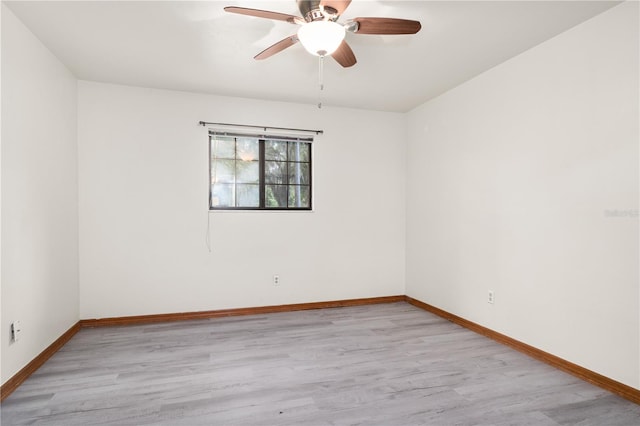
point(197, 47)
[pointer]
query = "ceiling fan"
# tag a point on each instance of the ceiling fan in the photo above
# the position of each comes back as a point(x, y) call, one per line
point(321, 34)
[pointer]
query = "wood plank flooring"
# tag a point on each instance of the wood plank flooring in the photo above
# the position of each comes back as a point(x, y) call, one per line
point(390, 364)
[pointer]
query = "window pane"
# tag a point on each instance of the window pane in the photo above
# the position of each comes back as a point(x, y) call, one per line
point(247, 172)
point(299, 151)
point(275, 172)
point(275, 196)
point(299, 173)
point(223, 171)
point(247, 149)
point(222, 147)
point(299, 196)
point(275, 150)
point(248, 195)
point(222, 195)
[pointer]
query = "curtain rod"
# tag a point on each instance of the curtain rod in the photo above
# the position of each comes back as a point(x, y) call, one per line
point(206, 123)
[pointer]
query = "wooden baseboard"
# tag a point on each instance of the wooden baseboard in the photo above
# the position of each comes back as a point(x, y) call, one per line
point(627, 392)
point(182, 316)
point(12, 384)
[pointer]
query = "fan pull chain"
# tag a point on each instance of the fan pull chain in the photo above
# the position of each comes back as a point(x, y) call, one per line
point(321, 78)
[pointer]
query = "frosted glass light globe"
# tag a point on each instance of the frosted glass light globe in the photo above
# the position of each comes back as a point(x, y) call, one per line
point(321, 38)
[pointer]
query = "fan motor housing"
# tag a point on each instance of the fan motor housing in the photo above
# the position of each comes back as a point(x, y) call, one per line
point(312, 11)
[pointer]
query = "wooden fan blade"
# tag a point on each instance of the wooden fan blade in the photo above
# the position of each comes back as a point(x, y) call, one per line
point(264, 14)
point(278, 47)
point(344, 55)
point(338, 5)
point(387, 26)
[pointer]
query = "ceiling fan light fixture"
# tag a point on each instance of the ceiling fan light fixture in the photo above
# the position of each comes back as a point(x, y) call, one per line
point(321, 38)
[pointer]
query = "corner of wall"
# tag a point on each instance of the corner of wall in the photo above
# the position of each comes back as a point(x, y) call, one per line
point(38, 196)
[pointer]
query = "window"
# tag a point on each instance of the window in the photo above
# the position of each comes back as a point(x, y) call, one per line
point(259, 173)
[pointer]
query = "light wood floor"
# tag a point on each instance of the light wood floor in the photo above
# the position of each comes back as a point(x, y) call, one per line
point(390, 364)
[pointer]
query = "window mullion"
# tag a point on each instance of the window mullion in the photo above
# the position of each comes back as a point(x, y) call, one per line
point(210, 175)
point(286, 176)
point(261, 172)
point(234, 195)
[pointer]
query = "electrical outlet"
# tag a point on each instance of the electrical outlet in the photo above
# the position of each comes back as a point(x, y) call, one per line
point(276, 280)
point(16, 330)
point(491, 298)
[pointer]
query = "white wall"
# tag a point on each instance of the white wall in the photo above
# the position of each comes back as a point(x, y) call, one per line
point(39, 196)
point(143, 207)
point(512, 178)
